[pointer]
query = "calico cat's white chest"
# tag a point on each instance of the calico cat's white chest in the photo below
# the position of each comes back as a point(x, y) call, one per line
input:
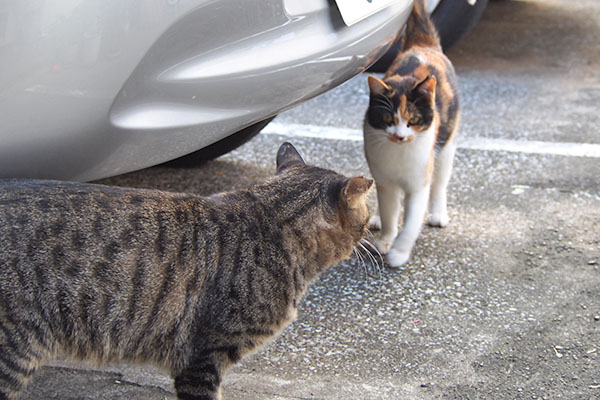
point(405, 164)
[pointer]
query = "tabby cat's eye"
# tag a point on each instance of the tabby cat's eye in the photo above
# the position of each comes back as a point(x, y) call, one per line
point(387, 118)
point(414, 121)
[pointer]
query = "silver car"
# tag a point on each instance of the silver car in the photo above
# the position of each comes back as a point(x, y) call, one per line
point(95, 88)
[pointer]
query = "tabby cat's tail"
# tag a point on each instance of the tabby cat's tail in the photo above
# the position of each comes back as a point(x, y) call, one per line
point(420, 30)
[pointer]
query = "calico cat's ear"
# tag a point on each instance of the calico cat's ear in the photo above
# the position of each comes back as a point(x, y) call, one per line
point(427, 86)
point(287, 155)
point(378, 86)
point(356, 190)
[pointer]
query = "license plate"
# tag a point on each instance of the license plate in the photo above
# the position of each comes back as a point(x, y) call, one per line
point(356, 10)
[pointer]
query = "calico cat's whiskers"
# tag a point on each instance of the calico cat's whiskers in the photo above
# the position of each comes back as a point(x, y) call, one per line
point(379, 143)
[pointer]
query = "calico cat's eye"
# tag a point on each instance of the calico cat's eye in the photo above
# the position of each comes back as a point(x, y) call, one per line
point(388, 118)
point(414, 121)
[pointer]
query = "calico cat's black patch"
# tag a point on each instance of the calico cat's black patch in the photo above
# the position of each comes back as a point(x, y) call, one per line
point(408, 65)
point(445, 130)
point(380, 106)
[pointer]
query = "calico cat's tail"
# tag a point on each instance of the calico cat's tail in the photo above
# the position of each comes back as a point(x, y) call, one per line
point(420, 30)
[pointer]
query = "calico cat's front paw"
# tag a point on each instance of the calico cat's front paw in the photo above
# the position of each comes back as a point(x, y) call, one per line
point(384, 244)
point(397, 258)
point(439, 220)
point(375, 223)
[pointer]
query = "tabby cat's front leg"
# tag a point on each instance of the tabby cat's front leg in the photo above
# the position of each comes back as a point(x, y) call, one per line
point(201, 380)
point(415, 205)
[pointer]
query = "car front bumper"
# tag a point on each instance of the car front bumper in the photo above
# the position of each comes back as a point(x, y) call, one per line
point(94, 88)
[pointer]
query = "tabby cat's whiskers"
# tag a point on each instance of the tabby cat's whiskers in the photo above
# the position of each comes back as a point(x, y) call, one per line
point(373, 249)
point(369, 249)
point(374, 261)
point(361, 260)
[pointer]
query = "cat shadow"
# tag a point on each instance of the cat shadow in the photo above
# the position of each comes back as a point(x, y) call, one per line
point(66, 382)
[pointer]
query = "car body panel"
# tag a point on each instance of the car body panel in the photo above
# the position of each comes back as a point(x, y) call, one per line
point(95, 88)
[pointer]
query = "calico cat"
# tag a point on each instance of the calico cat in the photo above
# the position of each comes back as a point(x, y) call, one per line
point(186, 282)
point(409, 133)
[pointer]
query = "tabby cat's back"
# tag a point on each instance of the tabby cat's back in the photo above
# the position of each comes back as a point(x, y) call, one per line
point(186, 282)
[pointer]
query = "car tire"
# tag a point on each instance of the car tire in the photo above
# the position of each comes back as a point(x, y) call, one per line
point(453, 19)
point(219, 148)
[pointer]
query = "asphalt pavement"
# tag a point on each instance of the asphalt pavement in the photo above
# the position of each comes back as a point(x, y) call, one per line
point(503, 303)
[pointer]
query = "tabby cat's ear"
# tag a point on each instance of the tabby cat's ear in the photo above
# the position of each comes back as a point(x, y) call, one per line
point(287, 155)
point(378, 86)
point(356, 190)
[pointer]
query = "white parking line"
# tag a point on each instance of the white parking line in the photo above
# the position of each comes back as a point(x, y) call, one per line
point(519, 146)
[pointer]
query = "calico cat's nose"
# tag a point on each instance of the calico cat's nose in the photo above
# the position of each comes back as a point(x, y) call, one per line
point(396, 138)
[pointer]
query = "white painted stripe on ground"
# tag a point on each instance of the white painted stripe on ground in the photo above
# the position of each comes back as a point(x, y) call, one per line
point(519, 146)
point(314, 131)
point(533, 147)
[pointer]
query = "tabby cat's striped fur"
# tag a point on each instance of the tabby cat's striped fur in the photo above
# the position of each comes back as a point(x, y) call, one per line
point(186, 282)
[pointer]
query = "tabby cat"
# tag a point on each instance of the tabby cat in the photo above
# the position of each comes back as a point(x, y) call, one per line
point(409, 132)
point(186, 282)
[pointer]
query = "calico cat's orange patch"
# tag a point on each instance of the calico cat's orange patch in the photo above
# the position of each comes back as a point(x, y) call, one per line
point(430, 168)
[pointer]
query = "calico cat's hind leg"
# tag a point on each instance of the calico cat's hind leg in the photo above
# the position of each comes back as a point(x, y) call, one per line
point(438, 213)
